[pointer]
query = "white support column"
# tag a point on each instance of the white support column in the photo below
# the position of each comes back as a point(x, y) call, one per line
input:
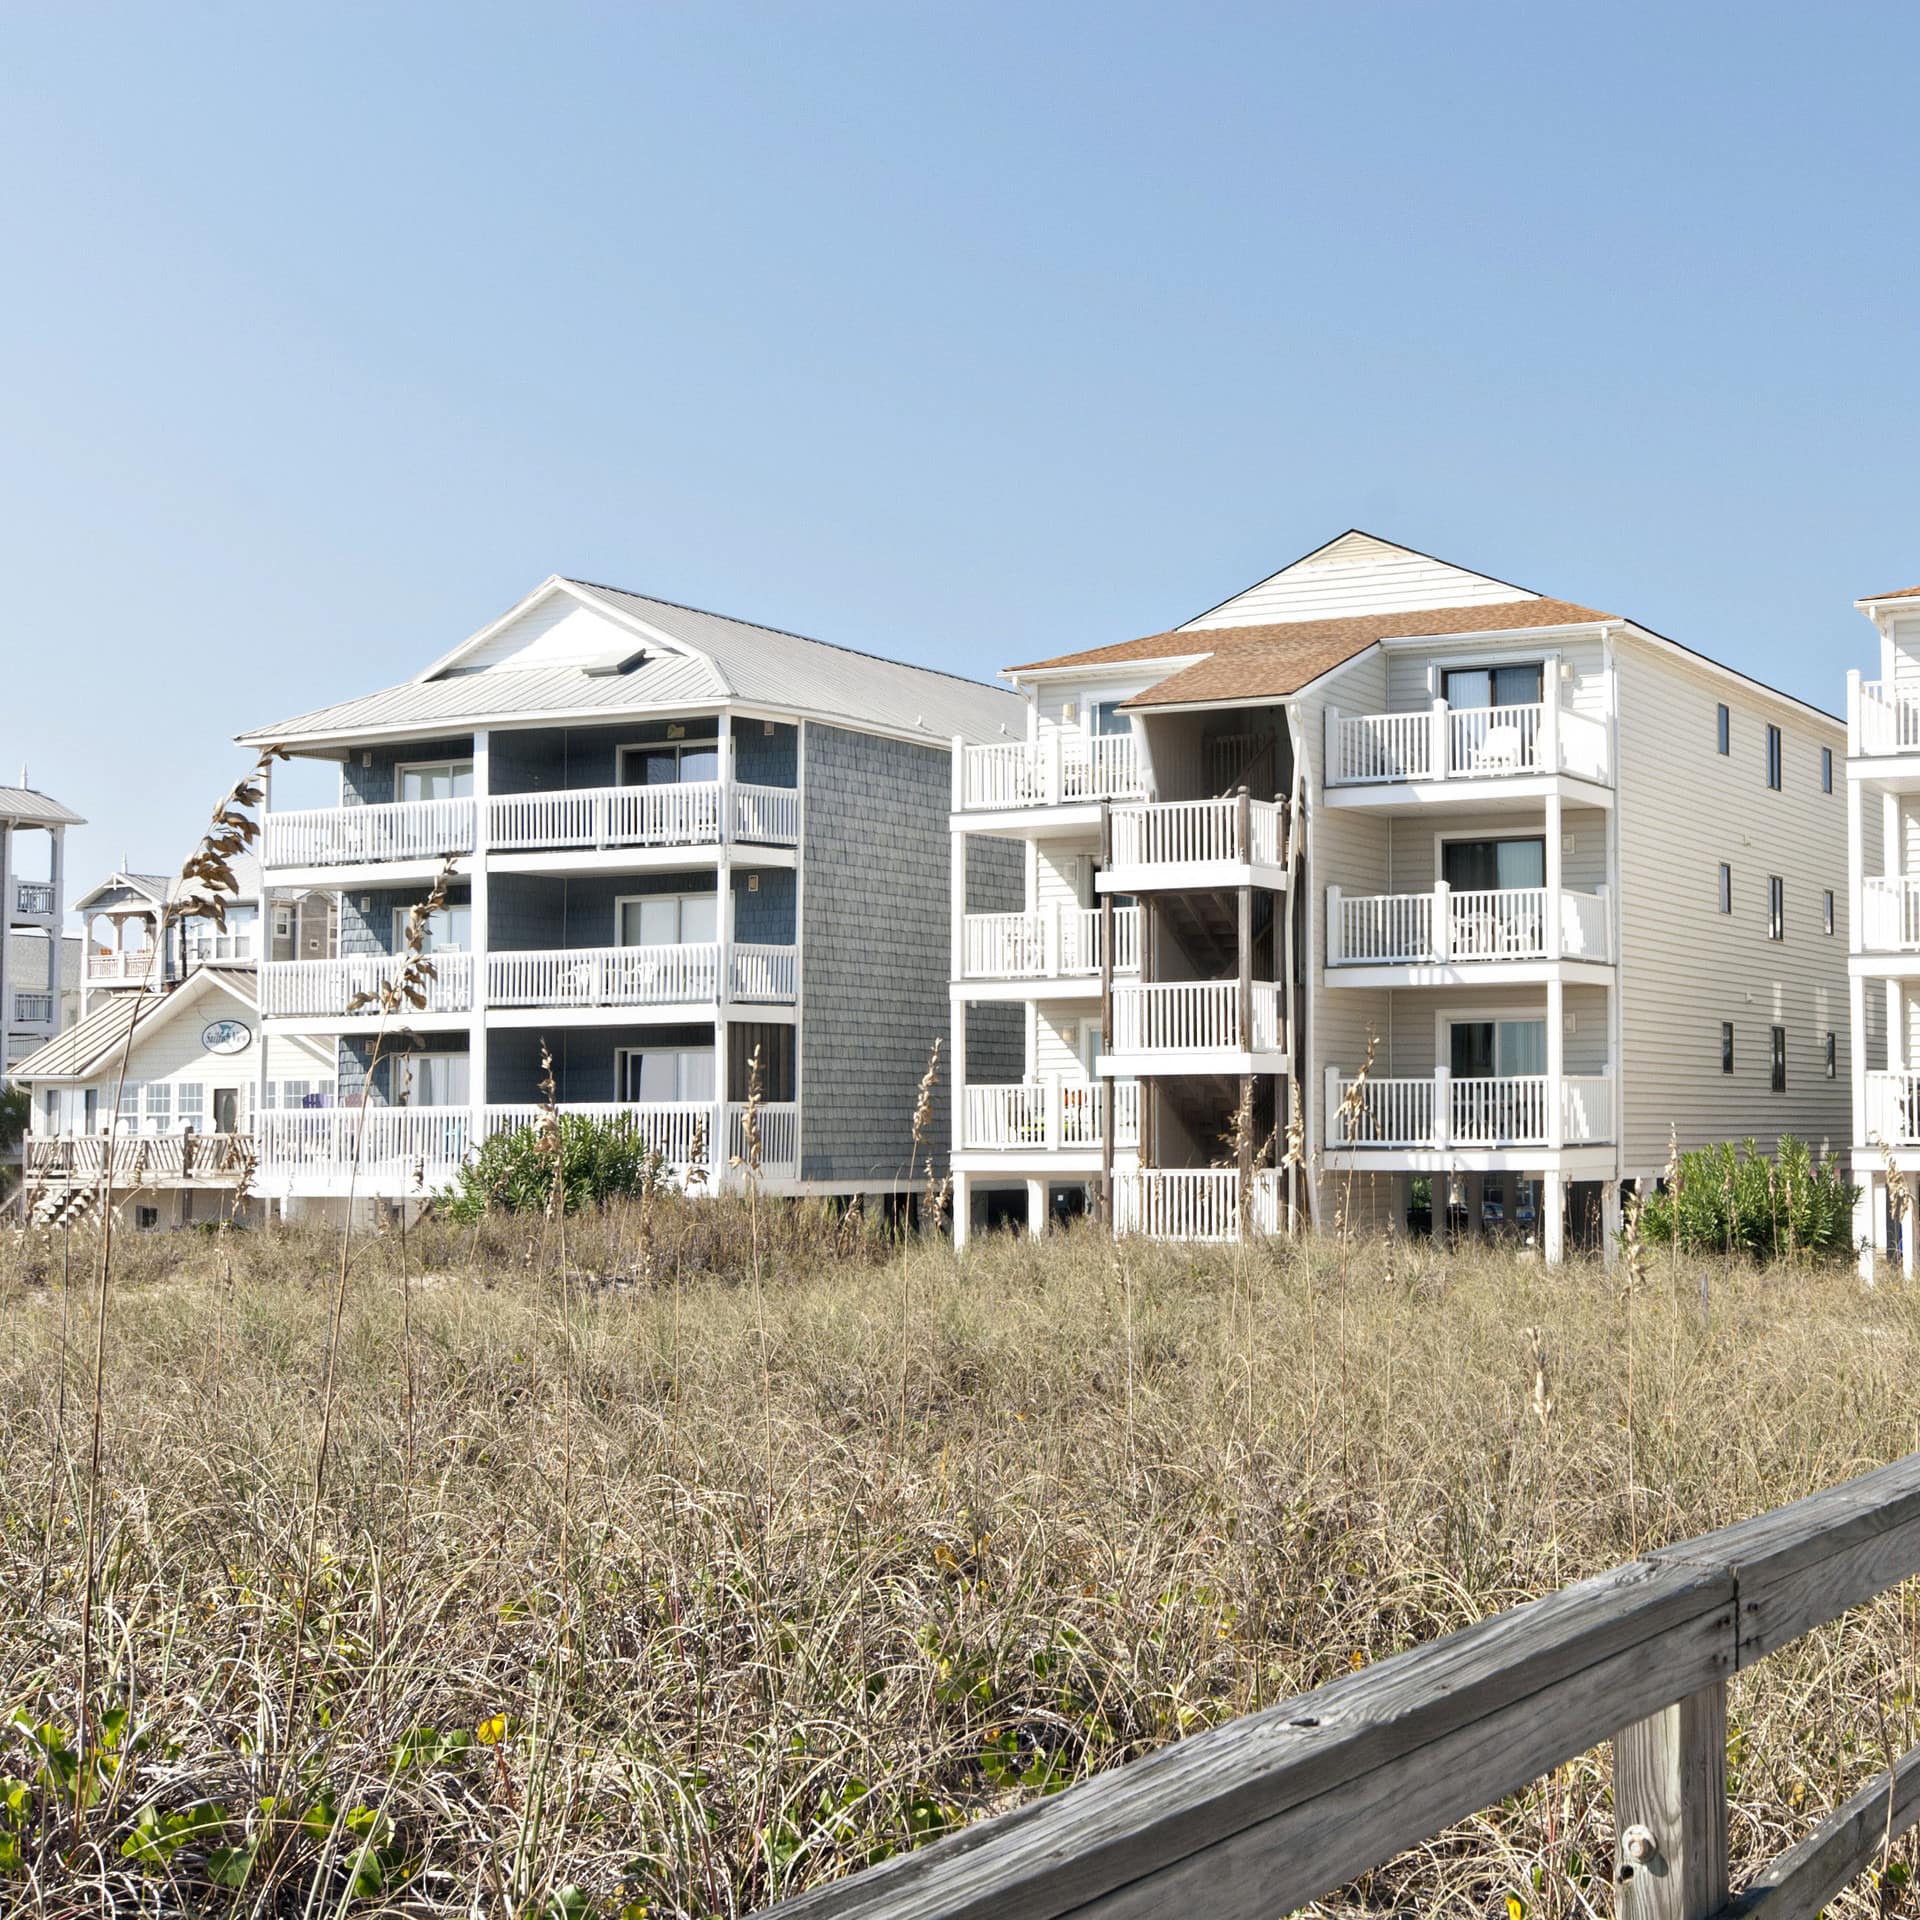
point(1336, 946)
point(262, 956)
point(1856, 855)
point(1437, 751)
point(1550, 715)
point(720, 1143)
point(1555, 867)
point(1863, 1215)
point(1857, 1056)
point(1609, 1223)
point(1878, 1224)
point(957, 1072)
point(1556, 1063)
point(481, 935)
point(1553, 1218)
point(1893, 852)
point(962, 1210)
point(1896, 1028)
point(1442, 1108)
point(957, 902)
point(1441, 932)
point(1036, 1208)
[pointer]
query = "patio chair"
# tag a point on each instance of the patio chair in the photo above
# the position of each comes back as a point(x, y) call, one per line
point(1504, 750)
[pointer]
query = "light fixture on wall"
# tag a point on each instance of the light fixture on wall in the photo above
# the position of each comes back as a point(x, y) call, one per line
point(753, 883)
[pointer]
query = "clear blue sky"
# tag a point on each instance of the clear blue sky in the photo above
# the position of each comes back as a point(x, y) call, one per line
point(960, 333)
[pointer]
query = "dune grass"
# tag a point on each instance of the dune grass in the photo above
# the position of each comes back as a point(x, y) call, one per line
point(662, 1590)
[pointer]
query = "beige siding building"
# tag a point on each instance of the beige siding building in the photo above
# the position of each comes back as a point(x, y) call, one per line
point(1482, 896)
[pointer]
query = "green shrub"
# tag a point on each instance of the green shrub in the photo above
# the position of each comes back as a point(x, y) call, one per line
point(600, 1160)
point(1729, 1199)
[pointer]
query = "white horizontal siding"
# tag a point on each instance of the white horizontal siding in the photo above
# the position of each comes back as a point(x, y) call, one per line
point(1683, 809)
point(1414, 844)
point(559, 632)
point(1356, 575)
point(1415, 1048)
point(1414, 682)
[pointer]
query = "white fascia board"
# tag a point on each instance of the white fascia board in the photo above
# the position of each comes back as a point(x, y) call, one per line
point(1103, 669)
point(1496, 636)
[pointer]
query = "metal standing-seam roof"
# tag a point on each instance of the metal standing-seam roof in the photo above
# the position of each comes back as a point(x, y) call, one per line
point(74, 1054)
point(26, 806)
point(713, 658)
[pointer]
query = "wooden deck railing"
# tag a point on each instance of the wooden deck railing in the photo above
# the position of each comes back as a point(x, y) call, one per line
point(1259, 1816)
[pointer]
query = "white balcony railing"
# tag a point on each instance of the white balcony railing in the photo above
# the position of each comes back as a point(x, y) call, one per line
point(640, 976)
point(1890, 913)
point(1194, 1016)
point(32, 1009)
point(33, 897)
point(1042, 1115)
point(1062, 767)
point(411, 1145)
point(687, 1133)
point(1048, 943)
point(687, 814)
point(351, 836)
point(1465, 743)
point(1440, 1111)
point(1447, 926)
point(1169, 833)
point(1893, 1109)
point(325, 989)
point(126, 969)
point(1193, 1203)
point(1882, 716)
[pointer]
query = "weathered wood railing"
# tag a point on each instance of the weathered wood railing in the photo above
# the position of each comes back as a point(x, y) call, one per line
point(1285, 1806)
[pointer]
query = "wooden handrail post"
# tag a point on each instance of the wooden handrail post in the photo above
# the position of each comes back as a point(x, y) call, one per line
point(1670, 1811)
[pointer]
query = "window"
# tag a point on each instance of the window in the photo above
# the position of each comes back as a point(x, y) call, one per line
point(1826, 769)
point(1726, 1046)
point(450, 930)
point(159, 1105)
point(1773, 758)
point(130, 1094)
point(1833, 1068)
point(1776, 907)
point(1492, 686)
point(428, 1080)
point(146, 1218)
point(1726, 888)
point(668, 919)
point(1486, 1049)
point(1108, 718)
point(1483, 865)
point(1725, 724)
point(434, 780)
point(1826, 910)
point(190, 1103)
point(665, 1073)
point(670, 766)
point(1779, 1059)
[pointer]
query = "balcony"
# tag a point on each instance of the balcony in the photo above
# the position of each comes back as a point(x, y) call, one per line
point(358, 836)
point(325, 989)
point(1048, 943)
point(641, 976)
point(1047, 1116)
point(1893, 1109)
point(1890, 913)
point(33, 1009)
point(138, 1157)
point(1233, 841)
point(1883, 716)
point(1061, 768)
point(1442, 1113)
point(689, 814)
point(141, 969)
point(1448, 927)
point(1465, 743)
point(33, 897)
point(1195, 1026)
point(1195, 1203)
point(416, 1149)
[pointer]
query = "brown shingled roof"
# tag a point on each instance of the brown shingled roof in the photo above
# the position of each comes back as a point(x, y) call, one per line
point(1899, 593)
point(1271, 661)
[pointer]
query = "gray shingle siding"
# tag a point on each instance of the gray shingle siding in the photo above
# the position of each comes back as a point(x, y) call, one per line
point(764, 759)
point(373, 785)
point(529, 912)
point(583, 1059)
point(371, 928)
point(875, 956)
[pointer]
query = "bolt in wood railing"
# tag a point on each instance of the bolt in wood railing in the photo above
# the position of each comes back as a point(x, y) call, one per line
point(1259, 1816)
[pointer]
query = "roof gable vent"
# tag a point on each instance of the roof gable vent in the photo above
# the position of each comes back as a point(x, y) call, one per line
point(608, 669)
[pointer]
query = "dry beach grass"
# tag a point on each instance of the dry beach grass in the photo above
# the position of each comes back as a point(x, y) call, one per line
point(667, 1590)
